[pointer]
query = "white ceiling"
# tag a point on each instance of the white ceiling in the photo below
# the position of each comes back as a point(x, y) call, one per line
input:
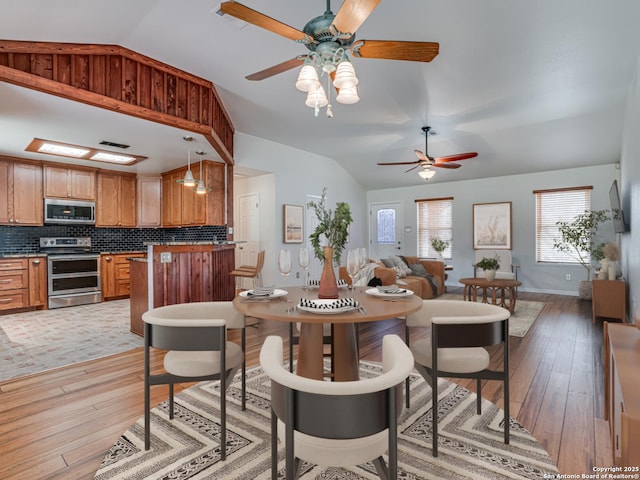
point(529, 85)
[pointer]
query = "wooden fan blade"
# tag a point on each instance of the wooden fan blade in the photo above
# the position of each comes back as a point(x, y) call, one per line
point(422, 157)
point(352, 14)
point(401, 163)
point(446, 165)
point(260, 20)
point(396, 50)
point(412, 168)
point(276, 69)
point(456, 157)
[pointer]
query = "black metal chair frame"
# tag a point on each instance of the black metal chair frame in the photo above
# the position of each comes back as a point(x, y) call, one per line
point(191, 338)
point(458, 335)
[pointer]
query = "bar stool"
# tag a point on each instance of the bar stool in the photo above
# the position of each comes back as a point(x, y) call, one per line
point(249, 271)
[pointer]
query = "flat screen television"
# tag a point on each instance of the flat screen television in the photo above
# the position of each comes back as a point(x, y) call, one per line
point(617, 214)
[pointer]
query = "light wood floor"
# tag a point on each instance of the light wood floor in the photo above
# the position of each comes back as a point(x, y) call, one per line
point(58, 425)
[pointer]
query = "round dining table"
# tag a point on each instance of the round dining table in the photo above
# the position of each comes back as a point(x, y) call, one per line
point(345, 348)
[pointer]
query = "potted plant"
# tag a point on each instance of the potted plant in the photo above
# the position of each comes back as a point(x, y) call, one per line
point(439, 246)
point(489, 265)
point(328, 241)
point(577, 238)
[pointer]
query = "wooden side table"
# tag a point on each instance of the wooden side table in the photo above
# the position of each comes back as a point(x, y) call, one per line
point(609, 299)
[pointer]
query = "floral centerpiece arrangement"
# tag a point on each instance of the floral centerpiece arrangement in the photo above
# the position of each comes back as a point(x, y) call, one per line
point(439, 245)
point(329, 239)
point(489, 263)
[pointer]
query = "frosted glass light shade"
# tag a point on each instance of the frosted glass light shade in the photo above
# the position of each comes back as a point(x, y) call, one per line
point(201, 189)
point(307, 79)
point(427, 174)
point(348, 96)
point(316, 98)
point(345, 76)
point(188, 180)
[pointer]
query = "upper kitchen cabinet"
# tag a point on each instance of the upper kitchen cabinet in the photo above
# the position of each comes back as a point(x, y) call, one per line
point(182, 206)
point(65, 182)
point(148, 200)
point(116, 204)
point(20, 193)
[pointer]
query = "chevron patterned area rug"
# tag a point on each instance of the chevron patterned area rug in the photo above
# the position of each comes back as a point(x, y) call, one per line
point(521, 319)
point(470, 446)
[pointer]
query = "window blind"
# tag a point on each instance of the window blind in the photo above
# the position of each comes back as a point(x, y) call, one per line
point(553, 206)
point(434, 220)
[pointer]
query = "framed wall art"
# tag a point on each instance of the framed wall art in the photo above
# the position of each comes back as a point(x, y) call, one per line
point(492, 226)
point(293, 221)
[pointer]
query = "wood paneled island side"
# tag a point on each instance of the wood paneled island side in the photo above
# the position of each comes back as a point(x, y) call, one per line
point(180, 273)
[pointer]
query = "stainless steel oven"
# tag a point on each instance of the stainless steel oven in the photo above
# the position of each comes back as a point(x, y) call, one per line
point(73, 273)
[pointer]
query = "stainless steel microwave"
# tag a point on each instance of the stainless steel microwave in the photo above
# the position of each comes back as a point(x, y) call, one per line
point(65, 212)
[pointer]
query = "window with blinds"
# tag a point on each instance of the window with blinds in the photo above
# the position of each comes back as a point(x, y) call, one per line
point(562, 204)
point(434, 220)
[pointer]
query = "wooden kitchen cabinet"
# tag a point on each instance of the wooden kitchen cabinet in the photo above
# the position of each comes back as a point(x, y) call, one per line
point(65, 182)
point(37, 282)
point(181, 206)
point(116, 204)
point(21, 193)
point(622, 391)
point(609, 299)
point(149, 200)
point(23, 283)
point(115, 272)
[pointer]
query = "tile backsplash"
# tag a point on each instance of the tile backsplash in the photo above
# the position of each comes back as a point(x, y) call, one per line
point(26, 240)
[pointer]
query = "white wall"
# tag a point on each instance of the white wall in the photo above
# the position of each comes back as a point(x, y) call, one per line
point(630, 193)
point(296, 173)
point(517, 189)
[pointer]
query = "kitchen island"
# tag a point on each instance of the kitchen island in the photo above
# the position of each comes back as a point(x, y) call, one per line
point(180, 272)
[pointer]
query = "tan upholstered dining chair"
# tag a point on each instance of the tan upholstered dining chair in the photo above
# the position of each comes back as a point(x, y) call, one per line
point(459, 332)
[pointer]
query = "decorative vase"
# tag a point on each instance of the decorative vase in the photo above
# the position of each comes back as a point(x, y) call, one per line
point(612, 270)
point(490, 275)
point(328, 286)
point(603, 273)
point(440, 257)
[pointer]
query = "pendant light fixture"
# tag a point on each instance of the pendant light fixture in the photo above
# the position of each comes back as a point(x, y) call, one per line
point(201, 188)
point(188, 180)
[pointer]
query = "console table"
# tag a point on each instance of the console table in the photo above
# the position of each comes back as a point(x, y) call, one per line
point(622, 391)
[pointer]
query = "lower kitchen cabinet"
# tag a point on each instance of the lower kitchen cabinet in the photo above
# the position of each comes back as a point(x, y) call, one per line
point(116, 275)
point(23, 283)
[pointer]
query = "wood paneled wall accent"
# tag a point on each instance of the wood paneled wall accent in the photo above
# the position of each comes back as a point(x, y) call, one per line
point(121, 80)
point(196, 273)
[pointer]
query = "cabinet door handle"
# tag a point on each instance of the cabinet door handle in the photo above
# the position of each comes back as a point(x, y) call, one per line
point(108, 259)
point(6, 300)
point(6, 281)
point(35, 262)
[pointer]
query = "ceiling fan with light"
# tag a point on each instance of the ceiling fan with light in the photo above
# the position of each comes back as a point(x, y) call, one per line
point(328, 38)
point(426, 162)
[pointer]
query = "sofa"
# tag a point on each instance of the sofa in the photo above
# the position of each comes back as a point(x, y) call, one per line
point(424, 277)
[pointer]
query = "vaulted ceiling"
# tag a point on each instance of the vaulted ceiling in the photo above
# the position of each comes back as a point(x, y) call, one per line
point(529, 85)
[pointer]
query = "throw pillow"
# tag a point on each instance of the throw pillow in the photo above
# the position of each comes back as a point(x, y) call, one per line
point(402, 268)
point(418, 270)
point(387, 262)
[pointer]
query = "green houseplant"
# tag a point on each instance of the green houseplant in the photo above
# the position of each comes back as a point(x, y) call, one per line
point(328, 241)
point(577, 239)
point(489, 263)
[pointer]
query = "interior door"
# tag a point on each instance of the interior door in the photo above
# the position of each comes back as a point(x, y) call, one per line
point(386, 229)
point(247, 229)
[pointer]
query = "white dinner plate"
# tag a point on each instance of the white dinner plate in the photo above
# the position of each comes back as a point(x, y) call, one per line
point(276, 293)
point(377, 293)
point(340, 286)
point(326, 311)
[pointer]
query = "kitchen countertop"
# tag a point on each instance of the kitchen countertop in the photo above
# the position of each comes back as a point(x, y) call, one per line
point(165, 244)
point(22, 255)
